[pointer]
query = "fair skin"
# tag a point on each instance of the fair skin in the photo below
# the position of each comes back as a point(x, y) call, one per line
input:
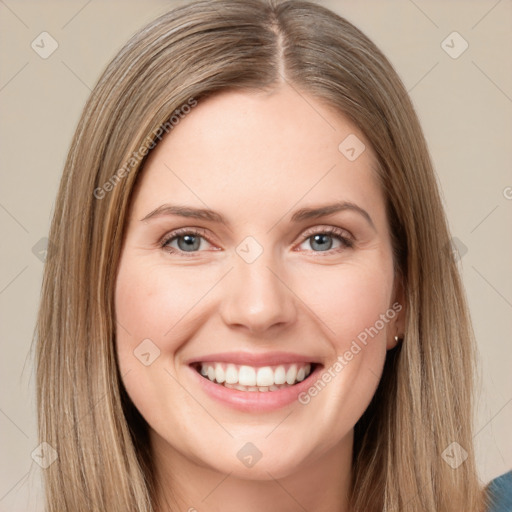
point(255, 158)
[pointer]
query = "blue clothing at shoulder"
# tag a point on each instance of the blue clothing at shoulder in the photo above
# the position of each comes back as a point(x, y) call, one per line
point(499, 492)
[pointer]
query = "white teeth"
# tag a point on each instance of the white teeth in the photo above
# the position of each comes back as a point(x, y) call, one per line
point(280, 375)
point(220, 376)
point(265, 376)
point(291, 374)
point(249, 378)
point(231, 374)
point(246, 376)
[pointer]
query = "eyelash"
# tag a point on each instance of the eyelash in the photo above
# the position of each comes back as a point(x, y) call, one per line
point(338, 233)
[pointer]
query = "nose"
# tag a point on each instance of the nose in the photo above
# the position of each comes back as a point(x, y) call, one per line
point(257, 297)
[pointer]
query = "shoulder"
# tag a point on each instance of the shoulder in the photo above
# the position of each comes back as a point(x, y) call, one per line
point(499, 493)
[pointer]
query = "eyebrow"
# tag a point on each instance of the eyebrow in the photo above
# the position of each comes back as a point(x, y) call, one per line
point(298, 216)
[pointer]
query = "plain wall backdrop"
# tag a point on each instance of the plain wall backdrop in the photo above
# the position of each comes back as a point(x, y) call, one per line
point(463, 96)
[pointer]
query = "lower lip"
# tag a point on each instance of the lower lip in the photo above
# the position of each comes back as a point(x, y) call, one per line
point(255, 401)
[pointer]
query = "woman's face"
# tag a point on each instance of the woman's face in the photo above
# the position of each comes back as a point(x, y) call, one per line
point(263, 323)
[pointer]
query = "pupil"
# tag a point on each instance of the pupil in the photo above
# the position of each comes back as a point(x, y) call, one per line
point(321, 239)
point(190, 243)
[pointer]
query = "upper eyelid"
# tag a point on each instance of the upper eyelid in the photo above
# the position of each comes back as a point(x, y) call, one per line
point(327, 229)
point(183, 231)
point(331, 230)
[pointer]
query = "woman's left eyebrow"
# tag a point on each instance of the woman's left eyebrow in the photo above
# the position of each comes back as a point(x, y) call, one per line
point(329, 209)
point(298, 216)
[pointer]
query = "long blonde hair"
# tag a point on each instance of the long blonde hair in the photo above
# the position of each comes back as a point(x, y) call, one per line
point(423, 403)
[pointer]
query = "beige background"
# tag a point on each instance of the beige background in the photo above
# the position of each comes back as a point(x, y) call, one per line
point(465, 106)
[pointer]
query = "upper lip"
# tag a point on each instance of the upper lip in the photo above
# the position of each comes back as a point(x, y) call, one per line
point(254, 359)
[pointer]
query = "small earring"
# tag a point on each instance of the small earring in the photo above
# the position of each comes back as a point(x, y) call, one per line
point(397, 339)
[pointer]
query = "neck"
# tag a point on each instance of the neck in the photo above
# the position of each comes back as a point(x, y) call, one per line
point(322, 484)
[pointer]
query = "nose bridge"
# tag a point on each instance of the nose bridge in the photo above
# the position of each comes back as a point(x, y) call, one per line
point(256, 296)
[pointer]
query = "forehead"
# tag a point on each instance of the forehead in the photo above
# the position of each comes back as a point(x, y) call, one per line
point(238, 150)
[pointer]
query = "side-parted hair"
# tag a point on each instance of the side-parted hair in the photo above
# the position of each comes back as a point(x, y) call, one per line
point(423, 402)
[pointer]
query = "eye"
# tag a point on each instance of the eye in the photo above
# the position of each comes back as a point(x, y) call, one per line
point(185, 240)
point(322, 240)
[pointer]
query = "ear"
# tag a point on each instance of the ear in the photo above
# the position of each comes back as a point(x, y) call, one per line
point(397, 324)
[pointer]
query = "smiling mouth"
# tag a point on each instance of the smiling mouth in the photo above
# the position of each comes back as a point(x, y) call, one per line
point(255, 378)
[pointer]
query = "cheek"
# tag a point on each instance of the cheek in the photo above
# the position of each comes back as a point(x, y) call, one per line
point(157, 310)
point(352, 300)
point(151, 303)
point(143, 315)
point(151, 308)
point(353, 303)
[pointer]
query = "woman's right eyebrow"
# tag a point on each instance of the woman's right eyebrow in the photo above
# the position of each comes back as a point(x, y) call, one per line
point(186, 211)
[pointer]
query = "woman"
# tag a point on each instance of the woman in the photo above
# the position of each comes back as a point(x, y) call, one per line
point(195, 351)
